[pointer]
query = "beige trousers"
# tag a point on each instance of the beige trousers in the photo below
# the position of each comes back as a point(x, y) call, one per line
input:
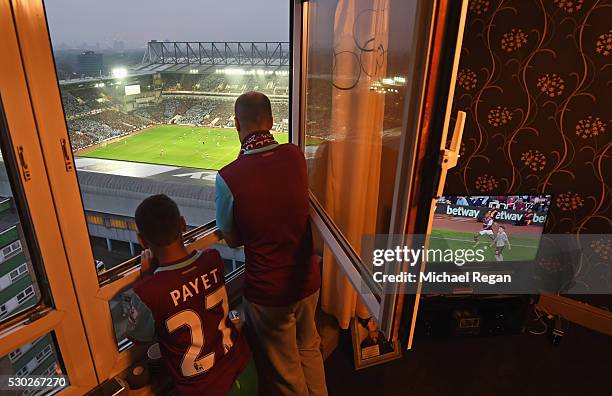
point(285, 345)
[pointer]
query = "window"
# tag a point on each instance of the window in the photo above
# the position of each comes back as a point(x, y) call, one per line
point(45, 353)
point(29, 228)
point(357, 95)
point(368, 68)
point(23, 371)
point(52, 369)
point(25, 294)
point(118, 223)
point(15, 354)
point(145, 116)
point(11, 250)
point(14, 274)
point(138, 121)
point(92, 219)
point(38, 358)
point(17, 273)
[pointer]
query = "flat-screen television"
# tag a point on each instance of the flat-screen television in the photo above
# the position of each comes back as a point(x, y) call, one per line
point(498, 228)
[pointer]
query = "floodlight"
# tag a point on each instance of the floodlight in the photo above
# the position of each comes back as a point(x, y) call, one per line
point(235, 72)
point(120, 72)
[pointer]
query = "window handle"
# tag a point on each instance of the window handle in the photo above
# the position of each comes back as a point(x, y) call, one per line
point(67, 158)
point(23, 164)
point(451, 155)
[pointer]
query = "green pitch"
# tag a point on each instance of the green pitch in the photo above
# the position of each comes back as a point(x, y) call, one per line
point(179, 145)
point(523, 248)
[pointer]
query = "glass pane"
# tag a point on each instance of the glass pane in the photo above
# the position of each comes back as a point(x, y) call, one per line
point(147, 116)
point(360, 67)
point(18, 284)
point(39, 358)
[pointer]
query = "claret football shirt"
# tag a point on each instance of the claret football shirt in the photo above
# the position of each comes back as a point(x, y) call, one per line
point(186, 305)
point(264, 193)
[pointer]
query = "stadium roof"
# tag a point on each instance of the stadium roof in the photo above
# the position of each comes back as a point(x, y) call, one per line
point(205, 53)
point(86, 80)
point(117, 187)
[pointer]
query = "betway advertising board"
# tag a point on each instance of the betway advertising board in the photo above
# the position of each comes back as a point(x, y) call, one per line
point(478, 212)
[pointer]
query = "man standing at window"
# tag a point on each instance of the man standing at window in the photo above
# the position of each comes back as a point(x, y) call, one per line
point(262, 203)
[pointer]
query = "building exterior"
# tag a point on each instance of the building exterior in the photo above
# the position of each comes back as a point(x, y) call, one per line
point(90, 63)
point(18, 292)
point(17, 286)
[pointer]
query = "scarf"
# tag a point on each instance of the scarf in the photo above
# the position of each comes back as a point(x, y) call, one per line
point(257, 140)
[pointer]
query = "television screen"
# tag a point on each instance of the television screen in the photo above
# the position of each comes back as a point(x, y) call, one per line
point(499, 228)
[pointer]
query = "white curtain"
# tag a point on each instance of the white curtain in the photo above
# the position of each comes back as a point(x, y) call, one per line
point(354, 157)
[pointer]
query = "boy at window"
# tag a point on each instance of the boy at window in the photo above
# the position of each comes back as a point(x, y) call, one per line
point(184, 303)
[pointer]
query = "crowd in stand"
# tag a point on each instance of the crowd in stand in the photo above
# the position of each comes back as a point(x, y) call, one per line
point(93, 116)
point(219, 83)
point(72, 105)
point(86, 132)
point(108, 124)
point(84, 100)
point(203, 111)
point(119, 120)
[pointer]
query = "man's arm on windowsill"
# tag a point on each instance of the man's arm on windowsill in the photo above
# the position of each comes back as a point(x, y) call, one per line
point(232, 238)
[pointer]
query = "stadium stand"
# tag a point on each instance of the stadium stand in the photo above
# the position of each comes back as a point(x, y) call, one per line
point(120, 121)
point(72, 105)
point(85, 132)
point(96, 114)
point(211, 83)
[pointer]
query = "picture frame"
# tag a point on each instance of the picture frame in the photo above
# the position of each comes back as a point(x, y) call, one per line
point(370, 347)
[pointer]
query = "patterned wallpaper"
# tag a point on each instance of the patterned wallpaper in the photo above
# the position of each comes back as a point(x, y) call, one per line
point(535, 79)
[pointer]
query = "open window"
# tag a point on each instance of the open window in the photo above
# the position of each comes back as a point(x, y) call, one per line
point(135, 115)
point(377, 81)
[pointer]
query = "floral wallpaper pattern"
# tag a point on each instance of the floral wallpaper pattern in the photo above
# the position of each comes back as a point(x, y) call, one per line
point(535, 79)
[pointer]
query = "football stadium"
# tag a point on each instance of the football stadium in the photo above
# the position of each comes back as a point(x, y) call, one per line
point(181, 116)
point(166, 125)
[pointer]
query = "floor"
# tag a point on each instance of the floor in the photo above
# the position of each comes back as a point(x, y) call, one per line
point(504, 365)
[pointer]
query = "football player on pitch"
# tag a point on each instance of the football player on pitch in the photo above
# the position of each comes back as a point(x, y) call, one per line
point(487, 226)
point(500, 242)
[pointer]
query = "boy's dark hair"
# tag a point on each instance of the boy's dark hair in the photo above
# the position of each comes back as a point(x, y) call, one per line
point(502, 227)
point(158, 220)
